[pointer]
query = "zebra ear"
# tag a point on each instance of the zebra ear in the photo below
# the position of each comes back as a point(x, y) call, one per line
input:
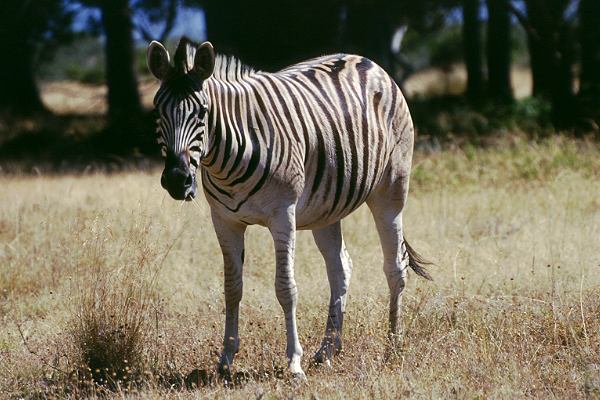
point(204, 61)
point(158, 60)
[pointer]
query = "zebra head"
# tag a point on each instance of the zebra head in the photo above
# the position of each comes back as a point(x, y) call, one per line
point(182, 106)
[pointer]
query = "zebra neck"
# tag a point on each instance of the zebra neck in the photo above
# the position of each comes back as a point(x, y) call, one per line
point(227, 131)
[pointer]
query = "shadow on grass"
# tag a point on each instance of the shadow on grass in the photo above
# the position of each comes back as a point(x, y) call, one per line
point(76, 143)
point(80, 383)
point(453, 116)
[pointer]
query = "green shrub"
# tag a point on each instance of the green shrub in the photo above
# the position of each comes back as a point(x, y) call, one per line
point(92, 75)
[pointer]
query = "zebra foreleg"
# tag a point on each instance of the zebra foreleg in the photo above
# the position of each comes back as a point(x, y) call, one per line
point(231, 240)
point(330, 242)
point(283, 229)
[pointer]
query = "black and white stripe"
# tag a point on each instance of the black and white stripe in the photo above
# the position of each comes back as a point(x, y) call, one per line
point(297, 149)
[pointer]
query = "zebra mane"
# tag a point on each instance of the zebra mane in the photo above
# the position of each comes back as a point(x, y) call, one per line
point(227, 68)
point(184, 56)
point(230, 69)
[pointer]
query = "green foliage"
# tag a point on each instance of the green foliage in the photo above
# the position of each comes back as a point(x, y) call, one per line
point(93, 75)
point(520, 50)
point(82, 60)
point(443, 46)
point(140, 61)
point(446, 47)
point(532, 107)
point(438, 48)
point(453, 115)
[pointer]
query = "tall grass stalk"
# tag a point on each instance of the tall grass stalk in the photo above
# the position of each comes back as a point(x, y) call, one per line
point(116, 315)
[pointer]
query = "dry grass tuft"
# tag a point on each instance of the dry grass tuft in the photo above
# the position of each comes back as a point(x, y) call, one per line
point(116, 315)
point(110, 329)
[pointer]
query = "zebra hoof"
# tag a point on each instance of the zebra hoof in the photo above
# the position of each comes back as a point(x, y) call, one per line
point(298, 377)
point(319, 359)
point(224, 372)
point(325, 354)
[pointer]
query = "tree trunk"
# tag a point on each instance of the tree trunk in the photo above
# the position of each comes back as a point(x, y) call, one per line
point(551, 59)
point(19, 94)
point(123, 97)
point(472, 49)
point(589, 16)
point(540, 74)
point(544, 68)
point(498, 51)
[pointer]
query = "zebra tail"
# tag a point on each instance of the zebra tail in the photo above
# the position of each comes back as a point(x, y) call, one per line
point(417, 262)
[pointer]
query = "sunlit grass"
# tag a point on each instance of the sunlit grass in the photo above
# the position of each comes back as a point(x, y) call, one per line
point(514, 310)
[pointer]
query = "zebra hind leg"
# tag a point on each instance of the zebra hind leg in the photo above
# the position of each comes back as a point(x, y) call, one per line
point(388, 221)
point(330, 242)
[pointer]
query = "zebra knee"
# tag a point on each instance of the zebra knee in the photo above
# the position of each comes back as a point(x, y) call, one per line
point(287, 295)
point(233, 296)
point(234, 288)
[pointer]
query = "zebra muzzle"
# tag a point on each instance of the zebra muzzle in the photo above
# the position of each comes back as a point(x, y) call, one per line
point(177, 178)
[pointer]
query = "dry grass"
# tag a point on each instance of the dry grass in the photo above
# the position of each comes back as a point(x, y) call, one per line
point(66, 97)
point(452, 81)
point(514, 310)
point(70, 97)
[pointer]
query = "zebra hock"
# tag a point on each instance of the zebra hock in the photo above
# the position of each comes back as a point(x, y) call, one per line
point(297, 149)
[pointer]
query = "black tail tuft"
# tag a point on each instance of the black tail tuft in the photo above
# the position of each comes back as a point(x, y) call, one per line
point(417, 262)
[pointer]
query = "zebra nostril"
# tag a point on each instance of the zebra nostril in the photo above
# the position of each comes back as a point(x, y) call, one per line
point(189, 181)
point(177, 178)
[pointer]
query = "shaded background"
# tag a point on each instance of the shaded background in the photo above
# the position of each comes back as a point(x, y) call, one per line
point(74, 85)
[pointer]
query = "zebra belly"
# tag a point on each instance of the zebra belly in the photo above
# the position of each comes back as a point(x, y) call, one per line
point(311, 212)
point(341, 188)
point(319, 217)
point(323, 208)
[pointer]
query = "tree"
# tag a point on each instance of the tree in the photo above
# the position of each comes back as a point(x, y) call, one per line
point(550, 41)
point(589, 18)
point(367, 30)
point(27, 28)
point(124, 106)
point(156, 11)
point(369, 27)
point(498, 51)
point(472, 49)
point(272, 34)
point(123, 97)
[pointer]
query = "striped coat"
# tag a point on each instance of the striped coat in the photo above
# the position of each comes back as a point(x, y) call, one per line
point(297, 149)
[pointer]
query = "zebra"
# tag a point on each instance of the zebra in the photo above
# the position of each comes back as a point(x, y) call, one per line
point(297, 149)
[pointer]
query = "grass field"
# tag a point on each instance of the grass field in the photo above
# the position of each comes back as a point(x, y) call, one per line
point(514, 310)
